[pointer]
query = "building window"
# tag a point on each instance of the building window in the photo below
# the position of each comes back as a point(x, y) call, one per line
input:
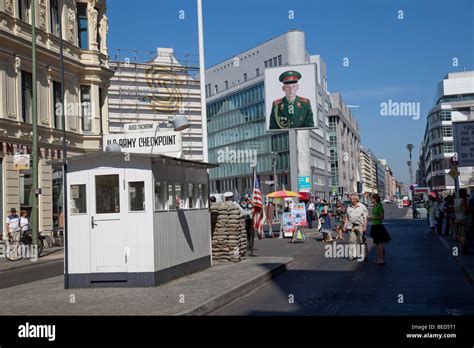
point(136, 195)
point(24, 7)
point(270, 62)
point(245, 77)
point(86, 108)
point(280, 60)
point(54, 14)
point(257, 72)
point(226, 84)
point(216, 89)
point(447, 131)
point(26, 96)
point(101, 106)
point(445, 115)
point(57, 105)
point(82, 24)
point(448, 148)
point(275, 61)
point(266, 64)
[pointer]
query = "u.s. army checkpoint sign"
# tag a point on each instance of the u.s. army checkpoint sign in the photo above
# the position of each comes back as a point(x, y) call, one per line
point(152, 142)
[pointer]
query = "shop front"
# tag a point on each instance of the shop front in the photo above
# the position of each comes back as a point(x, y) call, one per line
point(16, 184)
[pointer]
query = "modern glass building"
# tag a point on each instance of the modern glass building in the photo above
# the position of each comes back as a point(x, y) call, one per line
point(236, 130)
point(237, 138)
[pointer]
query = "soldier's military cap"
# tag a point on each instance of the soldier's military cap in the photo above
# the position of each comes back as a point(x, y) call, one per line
point(290, 76)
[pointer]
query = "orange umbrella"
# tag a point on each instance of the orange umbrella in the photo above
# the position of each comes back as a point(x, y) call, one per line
point(284, 194)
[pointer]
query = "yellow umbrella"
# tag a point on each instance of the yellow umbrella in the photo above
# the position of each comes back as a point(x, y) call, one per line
point(284, 194)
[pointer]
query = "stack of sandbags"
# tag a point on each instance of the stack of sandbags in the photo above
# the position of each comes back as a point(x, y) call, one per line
point(227, 242)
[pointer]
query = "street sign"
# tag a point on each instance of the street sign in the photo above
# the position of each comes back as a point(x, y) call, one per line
point(453, 172)
point(304, 183)
point(139, 127)
point(146, 141)
point(454, 160)
point(463, 133)
point(21, 162)
point(269, 182)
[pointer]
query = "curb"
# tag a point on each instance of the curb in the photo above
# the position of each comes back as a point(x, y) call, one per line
point(237, 292)
point(465, 269)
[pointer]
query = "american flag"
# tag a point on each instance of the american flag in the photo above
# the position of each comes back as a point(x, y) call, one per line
point(258, 211)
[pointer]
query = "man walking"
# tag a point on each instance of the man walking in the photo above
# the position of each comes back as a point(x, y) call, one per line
point(356, 222)
point(12, 224)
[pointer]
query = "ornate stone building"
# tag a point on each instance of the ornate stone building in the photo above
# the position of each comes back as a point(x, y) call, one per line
point(84, 30)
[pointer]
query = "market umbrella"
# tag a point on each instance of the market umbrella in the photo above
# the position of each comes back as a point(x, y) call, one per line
point(284, 194)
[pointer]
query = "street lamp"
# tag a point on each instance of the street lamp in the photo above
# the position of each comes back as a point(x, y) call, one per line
point(410, 169)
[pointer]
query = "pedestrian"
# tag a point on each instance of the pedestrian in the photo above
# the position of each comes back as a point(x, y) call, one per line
point(340, 214)
point(471, 210)
point(430, 206)
point(12, 225)
point(377, 231)
point(440, 216)
point(287, 207)
point(356, 223)
point(461, 209)
point(246, 207)
point(326, 221)
point(449, 215)
point(310, 212)
point(24, 222)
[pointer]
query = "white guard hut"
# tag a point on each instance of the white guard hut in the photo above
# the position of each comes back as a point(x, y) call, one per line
point(136, 219)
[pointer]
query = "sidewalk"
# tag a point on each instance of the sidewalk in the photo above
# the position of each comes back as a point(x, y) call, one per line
point(465, 262)
point(48, 255)
point(196, 294)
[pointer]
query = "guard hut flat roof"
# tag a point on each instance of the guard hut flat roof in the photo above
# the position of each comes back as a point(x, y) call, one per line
point(135, 219)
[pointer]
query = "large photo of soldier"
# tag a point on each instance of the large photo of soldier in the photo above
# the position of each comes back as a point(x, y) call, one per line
point(290, 94)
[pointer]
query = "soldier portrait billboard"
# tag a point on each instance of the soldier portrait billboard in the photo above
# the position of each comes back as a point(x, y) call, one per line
point(290, 97)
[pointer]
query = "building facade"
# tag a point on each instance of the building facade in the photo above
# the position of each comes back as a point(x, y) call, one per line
point(454, 101)
point(84, 26)
point(368, 166)
point(236, 122)
point(155, 91)
point(344, 149)
point(381, 173)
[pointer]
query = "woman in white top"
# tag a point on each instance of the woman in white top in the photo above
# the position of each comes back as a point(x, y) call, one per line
point(24, 222)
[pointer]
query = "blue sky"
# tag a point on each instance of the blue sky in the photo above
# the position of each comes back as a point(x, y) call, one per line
point(389, 58)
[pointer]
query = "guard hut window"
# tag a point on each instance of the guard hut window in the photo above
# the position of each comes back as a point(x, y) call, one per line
point(161, 195)
point(107, 194)
point(78, 199)
point(136, 195)
point(191, 196)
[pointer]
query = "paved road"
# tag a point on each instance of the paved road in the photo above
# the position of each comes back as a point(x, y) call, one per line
point(50, 264)
point(420, 277)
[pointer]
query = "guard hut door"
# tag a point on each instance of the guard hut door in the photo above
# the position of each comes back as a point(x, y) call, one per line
point(107, 220)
